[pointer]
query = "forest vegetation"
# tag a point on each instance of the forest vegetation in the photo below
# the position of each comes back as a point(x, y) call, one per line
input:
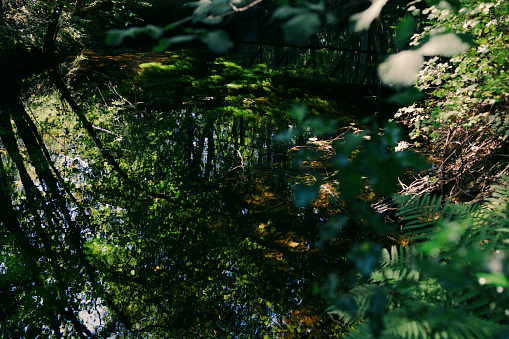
point(254, 169)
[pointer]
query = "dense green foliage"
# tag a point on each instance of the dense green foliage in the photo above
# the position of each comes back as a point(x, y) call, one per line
point(470, 89)
point(185, 195)
point(463, 119)
point(451, 284)
point(450, 280)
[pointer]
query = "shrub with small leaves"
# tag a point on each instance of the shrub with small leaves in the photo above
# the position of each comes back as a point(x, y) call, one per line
point(470, 89)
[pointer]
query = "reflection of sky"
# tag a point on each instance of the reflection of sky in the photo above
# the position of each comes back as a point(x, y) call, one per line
point(227, 153)
point(94, 316)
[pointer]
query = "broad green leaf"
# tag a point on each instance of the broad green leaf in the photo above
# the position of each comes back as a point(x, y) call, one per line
point(345, 148)
point(365, 256)
point(318, 7)
point(351, 183)
point(298, 112)
point(319, 126)
point(305, 194)
point(217, 41)
point(301, 27)
point(285, 12)
point(205, 8)
point(331, 228)
point(116, 36)
point(164, 44)
point(406, 97)
point(404, 31)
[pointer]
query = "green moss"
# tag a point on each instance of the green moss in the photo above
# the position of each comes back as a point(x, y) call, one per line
point(232, 89)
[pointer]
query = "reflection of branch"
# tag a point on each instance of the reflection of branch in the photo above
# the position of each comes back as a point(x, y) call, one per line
point(104, 130)
point(51, 33)
point(151, 327)
point(64, 91)
point(81, 8)
point(241, 163)
point(334, 320)
point(241, 9)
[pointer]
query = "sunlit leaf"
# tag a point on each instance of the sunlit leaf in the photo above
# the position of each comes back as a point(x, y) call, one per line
point(493, 279)
point(446, 45)
point(362, 21)
point(401, 69)
point(454, 4)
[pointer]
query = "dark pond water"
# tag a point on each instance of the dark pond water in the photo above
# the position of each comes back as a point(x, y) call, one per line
point(212, 144)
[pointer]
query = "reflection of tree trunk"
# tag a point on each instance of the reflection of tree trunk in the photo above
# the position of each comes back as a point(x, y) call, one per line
point(242, 131)
point(45, 202)
point(363, 45)
point(235, 133)
point(244, 28)
point(189, 130)
point(260, 145)
point(197, 156)
point(11, 220)
point(313, 56)
point(268, 145)
point(43, 211)
point(209, 129)
point(279, 164)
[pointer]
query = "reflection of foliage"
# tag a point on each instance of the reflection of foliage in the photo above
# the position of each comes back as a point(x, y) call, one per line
point(228, 249)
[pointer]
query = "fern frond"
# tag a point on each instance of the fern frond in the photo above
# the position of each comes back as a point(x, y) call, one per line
point(492, 222)
point(418, 214)
point(479, 301)
point(420, 320)
point(422, 215)
point(395, 266)
point(362, 296)
point(425, 320)
point(434, 286)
